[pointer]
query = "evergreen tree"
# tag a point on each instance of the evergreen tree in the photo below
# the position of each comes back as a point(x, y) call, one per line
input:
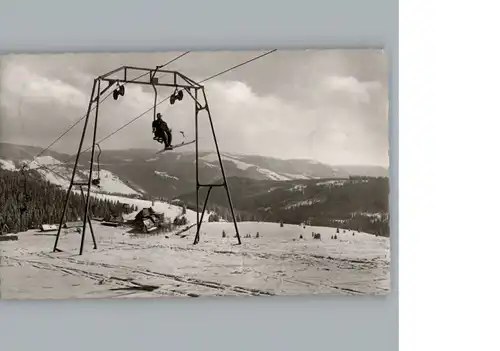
point(28, 202)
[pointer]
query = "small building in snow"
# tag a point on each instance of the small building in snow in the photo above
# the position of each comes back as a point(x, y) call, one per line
point(48, 227)
point(148, 220)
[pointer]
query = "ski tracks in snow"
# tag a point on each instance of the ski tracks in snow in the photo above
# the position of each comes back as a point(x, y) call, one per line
point(176, 285)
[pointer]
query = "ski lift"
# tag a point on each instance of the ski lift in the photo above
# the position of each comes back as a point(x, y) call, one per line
point(97, 181)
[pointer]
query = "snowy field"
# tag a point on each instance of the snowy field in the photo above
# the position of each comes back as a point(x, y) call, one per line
point(124, 266)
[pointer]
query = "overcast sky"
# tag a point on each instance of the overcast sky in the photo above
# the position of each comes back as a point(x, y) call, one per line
point(330, 106)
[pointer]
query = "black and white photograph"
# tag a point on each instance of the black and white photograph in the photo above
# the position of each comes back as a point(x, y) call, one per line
point(194, 174)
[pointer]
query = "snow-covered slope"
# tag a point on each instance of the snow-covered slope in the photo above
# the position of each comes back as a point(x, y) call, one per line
point(58, 173)
point(7, 165)
point(280, 261)
point(332, 183)
point(170, 211)
point(111, 183)
point(52, 170)
point(166, 175)
point(212, 160)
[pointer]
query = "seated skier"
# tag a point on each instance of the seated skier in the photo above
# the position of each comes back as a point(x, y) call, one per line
point(162, 132)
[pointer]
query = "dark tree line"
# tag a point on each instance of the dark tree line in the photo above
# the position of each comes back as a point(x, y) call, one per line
point(28, 201)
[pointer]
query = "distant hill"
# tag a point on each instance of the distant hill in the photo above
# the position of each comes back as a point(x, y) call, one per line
point(357, 203)
point(173, 173)
point(262, 188)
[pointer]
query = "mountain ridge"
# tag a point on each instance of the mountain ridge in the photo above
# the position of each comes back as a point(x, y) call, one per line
point(262, 188)
point(8, 149)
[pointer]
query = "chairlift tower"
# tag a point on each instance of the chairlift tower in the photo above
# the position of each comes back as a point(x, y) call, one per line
point(117, 79)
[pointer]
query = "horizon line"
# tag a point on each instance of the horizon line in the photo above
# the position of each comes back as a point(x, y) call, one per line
point(213, 151)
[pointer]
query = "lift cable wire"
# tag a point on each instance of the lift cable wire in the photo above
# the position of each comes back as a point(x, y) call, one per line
point(103, 99)
point(237, 66)
point(167, 98)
